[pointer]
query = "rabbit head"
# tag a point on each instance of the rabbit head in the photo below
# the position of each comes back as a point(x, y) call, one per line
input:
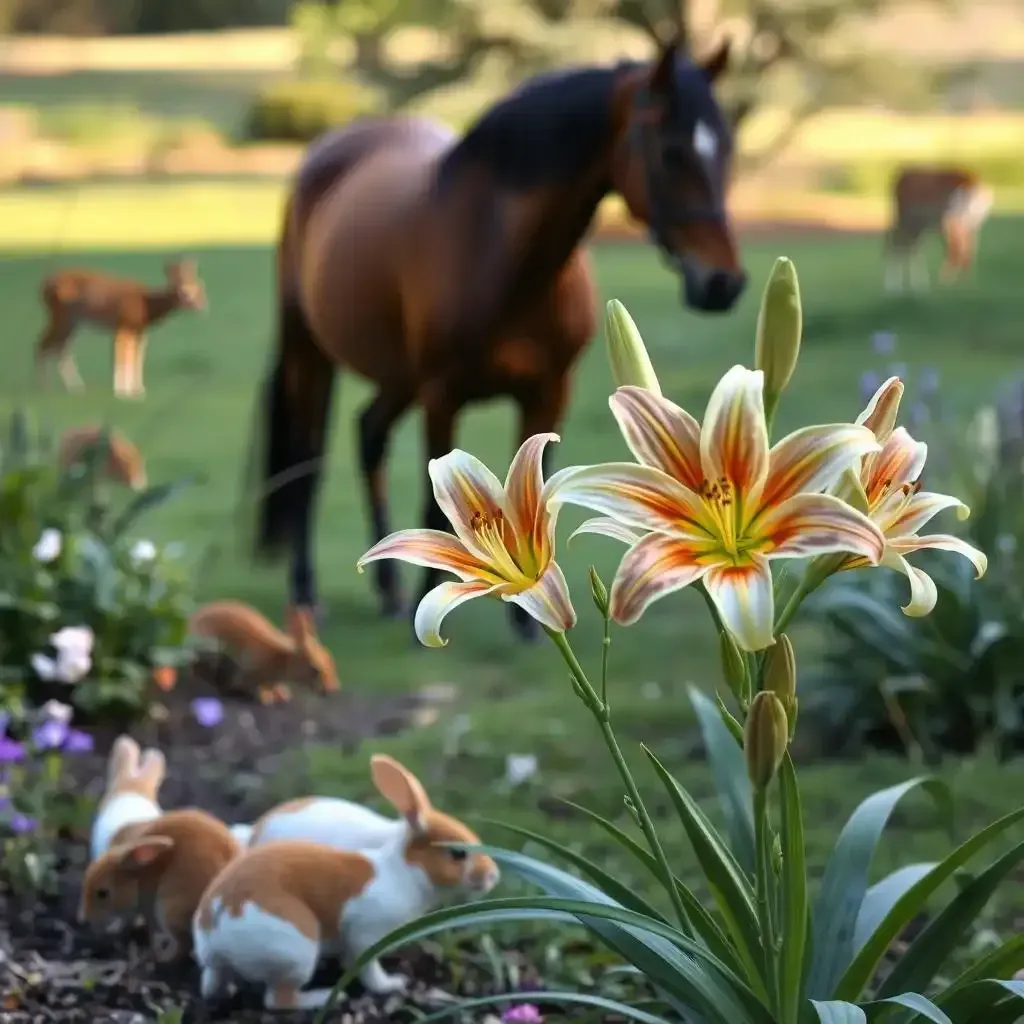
point(313, 664)
point(114, 883)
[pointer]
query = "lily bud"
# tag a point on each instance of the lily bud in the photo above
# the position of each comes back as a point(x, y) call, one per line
point(880, 414)
point(779, 327)
point(734, 667)
point(780, 677)
point(626, 352)
point(765, 739)
point(599, 592)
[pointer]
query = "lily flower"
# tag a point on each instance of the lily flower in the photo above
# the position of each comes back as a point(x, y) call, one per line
point(504, 542)
point(890, 488)
point(719, 505)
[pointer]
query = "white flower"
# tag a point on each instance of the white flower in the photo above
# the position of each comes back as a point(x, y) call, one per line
point(73, 667)
point(519, 768)
point(143, 551)
point(44, 667)
point(49, 546)
point(56, 711)
point(73, 640)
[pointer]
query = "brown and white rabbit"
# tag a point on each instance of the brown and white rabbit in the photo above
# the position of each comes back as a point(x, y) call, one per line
point(125, 463)
point(160, 869)
point(270, 914)
point(266, 656)
point(133, 784)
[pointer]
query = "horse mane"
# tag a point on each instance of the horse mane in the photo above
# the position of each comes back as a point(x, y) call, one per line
point(548, 130)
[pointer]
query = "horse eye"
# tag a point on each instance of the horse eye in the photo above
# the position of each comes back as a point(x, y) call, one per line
point(102, 895)
point(458, 855)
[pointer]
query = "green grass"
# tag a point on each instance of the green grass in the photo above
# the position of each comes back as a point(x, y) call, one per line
point(202, 375)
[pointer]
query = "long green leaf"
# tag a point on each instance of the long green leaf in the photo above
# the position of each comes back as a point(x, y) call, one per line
point(979, 997)
point(917, 1004)
point(930, 950)
point(834, 1011)
point(703, 923)
point(1003, 962)
point(795, 917)
point(602, 879)
point(882, 896)
point(150, 499)
point(732, 784)
point(724, 877)
point(864, 964)
point(845, 884)
point(622, 1010)
point(688, 972)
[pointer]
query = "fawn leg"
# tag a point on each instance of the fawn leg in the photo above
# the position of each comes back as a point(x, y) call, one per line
point(53, 342)
point(375, 424)
point(138, 388)
point(124, 354)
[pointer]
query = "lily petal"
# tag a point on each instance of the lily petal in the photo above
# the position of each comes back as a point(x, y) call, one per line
point(548, 600)
point(464, 487)
point(436, 605)
point(919, 511)
point(523, 487)
point(900, 462)
point(745, 598)
point(923, 594)
point(659, 434)
point(653, 568)
point(637, 496)
point(820, 524)
point(606, 527)
point(813, 459)
point(879, 416)
point(942, 542)
point(433, 549)
point(734, 438)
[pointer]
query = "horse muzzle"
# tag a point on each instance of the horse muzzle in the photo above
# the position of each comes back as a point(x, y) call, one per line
point(711, 289)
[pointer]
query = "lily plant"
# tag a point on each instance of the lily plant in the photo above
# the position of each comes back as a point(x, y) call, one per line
point(714, 504)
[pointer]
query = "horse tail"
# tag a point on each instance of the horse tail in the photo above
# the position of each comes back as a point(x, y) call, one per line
point(295, 410)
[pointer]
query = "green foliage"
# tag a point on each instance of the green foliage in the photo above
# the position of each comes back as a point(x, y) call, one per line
point(952, 680)
point(766, 950)
point(67, 560)
point(299, 111)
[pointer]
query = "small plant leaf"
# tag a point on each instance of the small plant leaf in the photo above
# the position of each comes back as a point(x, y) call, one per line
point(917, 1004)
point(795, 912)
point(881, 897)
point(834, 1011)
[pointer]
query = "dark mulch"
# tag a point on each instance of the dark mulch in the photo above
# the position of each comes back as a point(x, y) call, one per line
point(53, 970)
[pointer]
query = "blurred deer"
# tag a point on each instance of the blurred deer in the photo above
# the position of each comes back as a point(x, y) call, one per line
point(949, 201)
point(128, 307)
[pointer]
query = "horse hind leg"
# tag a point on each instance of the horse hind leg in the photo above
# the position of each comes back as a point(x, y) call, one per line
point(375, 425)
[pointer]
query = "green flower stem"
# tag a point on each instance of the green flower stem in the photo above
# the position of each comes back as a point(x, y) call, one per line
point(762, 837)
point(792, 605)
point(600, 712)
point(771, 403)
point(606, 643)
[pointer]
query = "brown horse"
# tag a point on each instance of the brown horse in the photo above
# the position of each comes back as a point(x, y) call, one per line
point(447, 271)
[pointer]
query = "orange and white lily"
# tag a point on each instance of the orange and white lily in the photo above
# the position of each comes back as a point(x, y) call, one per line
point(719, 505)
point(503, 546)
point(890, 488)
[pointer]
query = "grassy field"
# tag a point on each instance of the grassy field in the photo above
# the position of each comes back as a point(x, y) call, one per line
point(202, 374)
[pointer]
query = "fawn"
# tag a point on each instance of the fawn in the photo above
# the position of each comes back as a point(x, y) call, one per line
point(128, 307)
point(265, 656)
point(124, 464)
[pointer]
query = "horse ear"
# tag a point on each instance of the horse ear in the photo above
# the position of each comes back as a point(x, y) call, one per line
point(718, 61)
point(663, 75)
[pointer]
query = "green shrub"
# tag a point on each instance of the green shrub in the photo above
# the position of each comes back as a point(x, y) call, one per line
point(87, 612)
point(299, 111)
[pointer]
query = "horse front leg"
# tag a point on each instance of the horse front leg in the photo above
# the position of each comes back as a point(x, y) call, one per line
point(540, 411)
point(375, 424)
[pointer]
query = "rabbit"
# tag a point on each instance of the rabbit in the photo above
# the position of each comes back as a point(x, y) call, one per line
point(160, 869)
point(124, 464)
point(267, 656)
point(271, 913)
point(130, 798)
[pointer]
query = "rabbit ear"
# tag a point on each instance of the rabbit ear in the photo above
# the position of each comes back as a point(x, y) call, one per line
point(402, 790)
point(140, 853)
point(152, 770)
point(124, 760)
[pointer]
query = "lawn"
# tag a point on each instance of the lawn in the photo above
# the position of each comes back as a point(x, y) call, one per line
point(202, 376)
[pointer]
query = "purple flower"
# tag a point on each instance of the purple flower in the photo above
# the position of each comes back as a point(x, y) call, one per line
point(208, 711)
point(883, 342)
point(869, 384)
point(22, 823)
point(78, 742)
point(50, 735)
point(523, 1013)
point(11, 751)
